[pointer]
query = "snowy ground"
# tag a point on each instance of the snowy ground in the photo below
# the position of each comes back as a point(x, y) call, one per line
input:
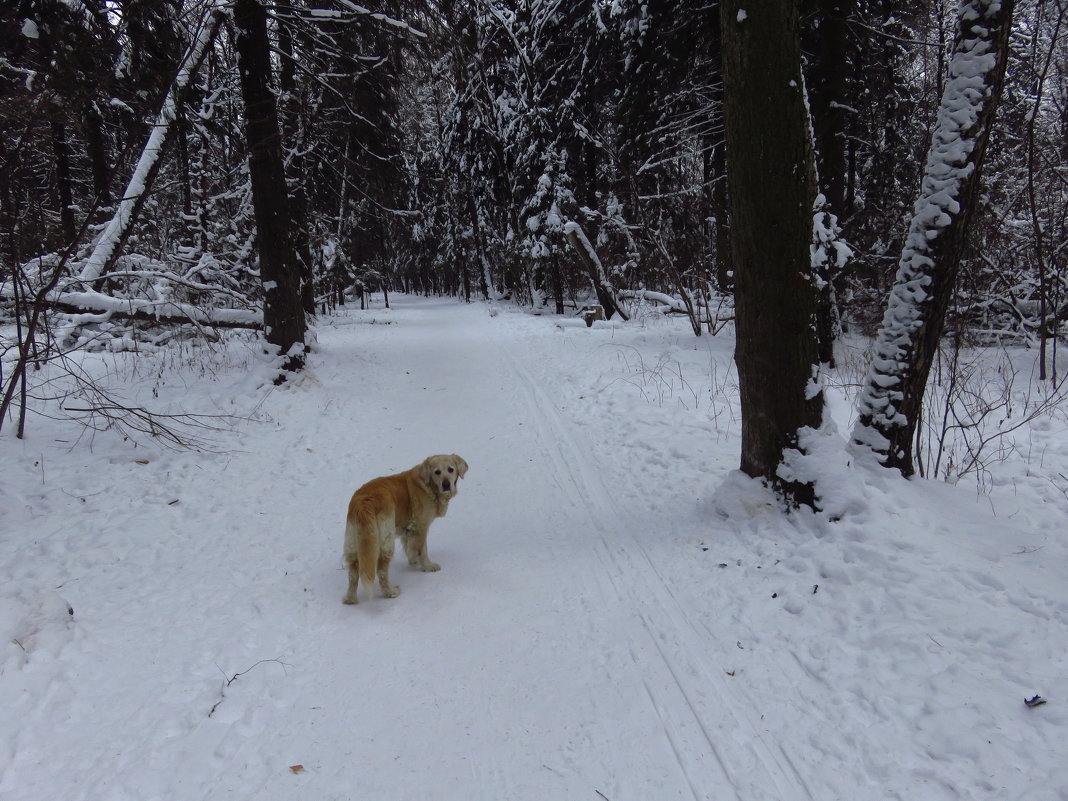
point(619, 615)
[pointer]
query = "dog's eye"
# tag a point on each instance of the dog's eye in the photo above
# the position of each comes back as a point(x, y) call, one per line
point(437, 472)
point(450, 469)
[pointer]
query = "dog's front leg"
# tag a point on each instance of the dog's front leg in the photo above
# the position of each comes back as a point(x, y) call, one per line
point(415, 547)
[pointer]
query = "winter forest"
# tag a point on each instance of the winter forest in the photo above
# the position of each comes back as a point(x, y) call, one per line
point(745, 315)
point(173, 168)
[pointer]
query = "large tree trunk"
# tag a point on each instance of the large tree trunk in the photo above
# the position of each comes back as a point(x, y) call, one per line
point(283, 313)
point(908, 338)
point(771, 191)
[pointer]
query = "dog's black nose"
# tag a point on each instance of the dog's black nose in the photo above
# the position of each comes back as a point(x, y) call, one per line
point(445, 485)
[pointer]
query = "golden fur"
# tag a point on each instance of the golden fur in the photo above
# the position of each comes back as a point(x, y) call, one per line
point(403, 505)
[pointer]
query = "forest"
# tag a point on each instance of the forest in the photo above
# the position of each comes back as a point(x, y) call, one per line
point(746, 317)
point(172, 168)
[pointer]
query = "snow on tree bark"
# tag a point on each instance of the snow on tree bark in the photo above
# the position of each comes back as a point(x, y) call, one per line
point(891, 402)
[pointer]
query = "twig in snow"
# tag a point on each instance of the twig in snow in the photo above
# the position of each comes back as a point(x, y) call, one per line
point(231, 679)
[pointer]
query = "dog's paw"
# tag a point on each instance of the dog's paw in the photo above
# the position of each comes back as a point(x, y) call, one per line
point(391, 592)
point(349, 599)
point(430, 567)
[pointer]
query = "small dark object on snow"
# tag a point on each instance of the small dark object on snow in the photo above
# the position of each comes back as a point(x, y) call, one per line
point(815, 588)
point(1038, 700)
point(591, 313)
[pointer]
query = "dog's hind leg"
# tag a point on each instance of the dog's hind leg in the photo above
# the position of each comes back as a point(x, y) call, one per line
point(385, 554)
point(354, 580)
point(351, 560)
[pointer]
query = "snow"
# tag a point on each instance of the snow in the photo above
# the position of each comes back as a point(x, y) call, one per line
point(620, 614)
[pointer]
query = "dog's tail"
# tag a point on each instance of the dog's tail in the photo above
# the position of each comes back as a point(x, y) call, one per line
point(368, 537)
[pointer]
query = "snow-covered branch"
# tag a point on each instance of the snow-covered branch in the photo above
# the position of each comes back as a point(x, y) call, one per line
point(107, 245)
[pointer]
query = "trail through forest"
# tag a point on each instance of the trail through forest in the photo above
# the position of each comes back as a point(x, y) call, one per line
point(618, 615)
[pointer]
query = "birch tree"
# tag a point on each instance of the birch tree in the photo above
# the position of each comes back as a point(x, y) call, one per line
point(891, 402)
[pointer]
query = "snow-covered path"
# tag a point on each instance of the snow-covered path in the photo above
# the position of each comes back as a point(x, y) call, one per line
point(599, 629)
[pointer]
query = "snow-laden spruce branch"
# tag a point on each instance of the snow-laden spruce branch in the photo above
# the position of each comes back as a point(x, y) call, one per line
point(890, 403)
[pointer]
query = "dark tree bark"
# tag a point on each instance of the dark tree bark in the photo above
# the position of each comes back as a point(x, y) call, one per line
point(287, 80)
point(61, 151)
point(97, 150)
point(828, 98)
point(283, 313)
point(771, 190)
point(715, 174)
point(907, 341)
point(830, 109)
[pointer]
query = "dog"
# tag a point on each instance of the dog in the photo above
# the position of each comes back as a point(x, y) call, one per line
point(402, 505)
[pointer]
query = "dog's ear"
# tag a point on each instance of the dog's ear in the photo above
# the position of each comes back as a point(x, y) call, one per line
point(461, 465)
point(424, 472)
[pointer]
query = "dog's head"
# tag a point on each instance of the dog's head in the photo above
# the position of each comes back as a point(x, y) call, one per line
point(441, 473)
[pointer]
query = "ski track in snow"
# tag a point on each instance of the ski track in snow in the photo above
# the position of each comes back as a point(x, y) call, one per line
point(607, 623)
point(678, 700)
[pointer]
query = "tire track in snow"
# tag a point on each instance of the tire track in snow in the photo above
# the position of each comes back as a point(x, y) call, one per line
point(630, 558)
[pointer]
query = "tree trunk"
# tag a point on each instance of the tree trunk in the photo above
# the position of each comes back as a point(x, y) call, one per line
point(606, 293)
point(827, 96)
point(287, 79)
point(830, 125)
point(283, 313)
point(771, 191)
point(61, 151)
point(96, 149)
point(908, 338)
point(715, 175)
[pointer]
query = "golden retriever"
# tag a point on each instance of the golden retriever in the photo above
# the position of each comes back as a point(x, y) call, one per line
point(403, 505)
